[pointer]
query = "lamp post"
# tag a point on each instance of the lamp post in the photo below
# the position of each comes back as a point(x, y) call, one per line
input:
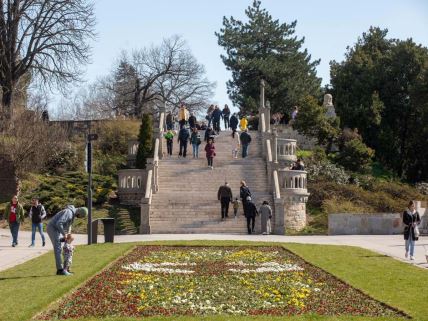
point(90, 138)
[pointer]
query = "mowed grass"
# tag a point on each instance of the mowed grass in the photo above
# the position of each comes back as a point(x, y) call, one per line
point(31, 287)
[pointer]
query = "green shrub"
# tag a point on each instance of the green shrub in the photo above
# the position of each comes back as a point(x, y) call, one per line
point(145, 139)
point(356, 156)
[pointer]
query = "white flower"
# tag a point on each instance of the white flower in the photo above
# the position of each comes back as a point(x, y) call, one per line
point(154, 267)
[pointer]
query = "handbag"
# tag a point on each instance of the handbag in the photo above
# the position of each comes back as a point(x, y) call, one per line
point(416, 230)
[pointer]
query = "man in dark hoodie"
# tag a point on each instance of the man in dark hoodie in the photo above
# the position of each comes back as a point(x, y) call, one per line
point(250, 212)
point(233, 122)
point(58, 228)
point(216, 119)
point(192, 121)
point(183, 138)
point(245, 139)
point(224, 195)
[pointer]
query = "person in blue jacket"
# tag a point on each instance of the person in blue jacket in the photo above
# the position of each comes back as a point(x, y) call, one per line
point(59, 227)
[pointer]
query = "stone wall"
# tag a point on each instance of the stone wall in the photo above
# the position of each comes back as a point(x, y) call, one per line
point(365, 224)
point(8, 180)
point(295, 216)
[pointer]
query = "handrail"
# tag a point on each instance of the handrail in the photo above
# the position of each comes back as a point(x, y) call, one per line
point(269, 150)
point(149, 184)
point(262, 122)
point(156, 150)
point(276, 184)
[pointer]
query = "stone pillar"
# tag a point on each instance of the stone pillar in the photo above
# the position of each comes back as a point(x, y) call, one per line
point(295, 218)
point(275, 146)
point(279, 227)
point(267, 116)
point(145, 216)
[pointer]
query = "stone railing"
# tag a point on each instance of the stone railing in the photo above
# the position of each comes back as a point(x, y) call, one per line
point(293, 184)
point(286, 149)
point(131, 185)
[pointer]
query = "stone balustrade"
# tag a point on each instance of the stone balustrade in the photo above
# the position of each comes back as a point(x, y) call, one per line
point(131, 185)
point(293, 185)
point(286, 149)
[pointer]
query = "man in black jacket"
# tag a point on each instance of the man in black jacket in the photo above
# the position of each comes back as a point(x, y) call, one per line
point(245, 139)
point(37, 213)
point(192, 121)
point(183, 138)
point(233, 122)
point(224, 195)
point(216, 116)
point(250, 212)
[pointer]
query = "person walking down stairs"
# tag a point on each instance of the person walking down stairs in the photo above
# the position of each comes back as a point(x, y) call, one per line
point(195, 140)
point(233, 122)
point(210, 152)
point(226, 115)
point(183, 138)
point(169, 136)
point(216, 115)
point(209, 134)
point(224, 195)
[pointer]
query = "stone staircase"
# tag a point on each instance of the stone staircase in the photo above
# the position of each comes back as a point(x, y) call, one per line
point(187, 198)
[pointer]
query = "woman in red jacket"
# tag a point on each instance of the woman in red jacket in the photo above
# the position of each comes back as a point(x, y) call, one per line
point(210, 152)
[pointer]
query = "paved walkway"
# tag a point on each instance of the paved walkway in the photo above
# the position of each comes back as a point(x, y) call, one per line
point(391, 245)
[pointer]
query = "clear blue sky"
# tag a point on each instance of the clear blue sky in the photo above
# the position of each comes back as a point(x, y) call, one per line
point(328, 27)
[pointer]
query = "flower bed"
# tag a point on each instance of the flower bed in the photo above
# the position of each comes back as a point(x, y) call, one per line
point(161, 280)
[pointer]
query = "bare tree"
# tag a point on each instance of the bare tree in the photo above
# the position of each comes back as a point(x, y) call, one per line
point(44, 38)
point(31, 142)
point(168, 73)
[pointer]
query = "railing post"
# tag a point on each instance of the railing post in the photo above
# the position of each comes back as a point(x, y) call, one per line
point(275, 146)
point(267, 116)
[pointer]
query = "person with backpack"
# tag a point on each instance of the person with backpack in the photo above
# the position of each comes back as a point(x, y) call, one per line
point(183, 138)
point(245, 139)
point(59, 227)
point(250, 212)
point(14, 215)
point(234, 124)
point(226, 115)
point(37, 214)
point(210, 152)
point(244, 192)
point(411, 220)
point(195, 140)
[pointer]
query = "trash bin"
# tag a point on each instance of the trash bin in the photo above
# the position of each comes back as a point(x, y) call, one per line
point(108, 230)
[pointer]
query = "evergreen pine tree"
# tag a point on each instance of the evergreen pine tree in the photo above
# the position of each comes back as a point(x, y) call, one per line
point(145, 139)
point(263, 48)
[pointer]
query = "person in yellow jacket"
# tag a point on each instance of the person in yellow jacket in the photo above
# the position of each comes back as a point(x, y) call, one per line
point(14, 215)
point(243, 123)
point(183, 116)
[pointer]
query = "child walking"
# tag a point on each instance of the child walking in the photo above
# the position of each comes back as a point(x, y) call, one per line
point(235, 207)
point(210, 152)
point(67, 252)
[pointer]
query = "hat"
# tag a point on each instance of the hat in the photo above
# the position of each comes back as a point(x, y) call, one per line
point(81, 212)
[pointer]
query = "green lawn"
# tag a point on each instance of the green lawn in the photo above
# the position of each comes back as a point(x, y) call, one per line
point(31, 287)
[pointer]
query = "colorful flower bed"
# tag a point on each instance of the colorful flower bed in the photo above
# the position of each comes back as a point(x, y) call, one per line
point(160, 280)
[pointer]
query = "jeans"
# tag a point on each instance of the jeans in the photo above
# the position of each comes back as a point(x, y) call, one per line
point(251, 220)
point(55, 236)
point(183, 148)
point(169, 126)
point(210, 119)
point(34, 226)
point(226, 122)
point(216, 125)
point(410, 246)
point(244, 150)
point(195, 148)
point(210, 161)
point(14, 229)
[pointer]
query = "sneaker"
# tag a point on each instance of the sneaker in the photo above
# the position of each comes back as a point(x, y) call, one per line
point(13, 244)
point(31, 245)
point(44, 243)
point(412, 258)
point(64, 272)
point(406, 255)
